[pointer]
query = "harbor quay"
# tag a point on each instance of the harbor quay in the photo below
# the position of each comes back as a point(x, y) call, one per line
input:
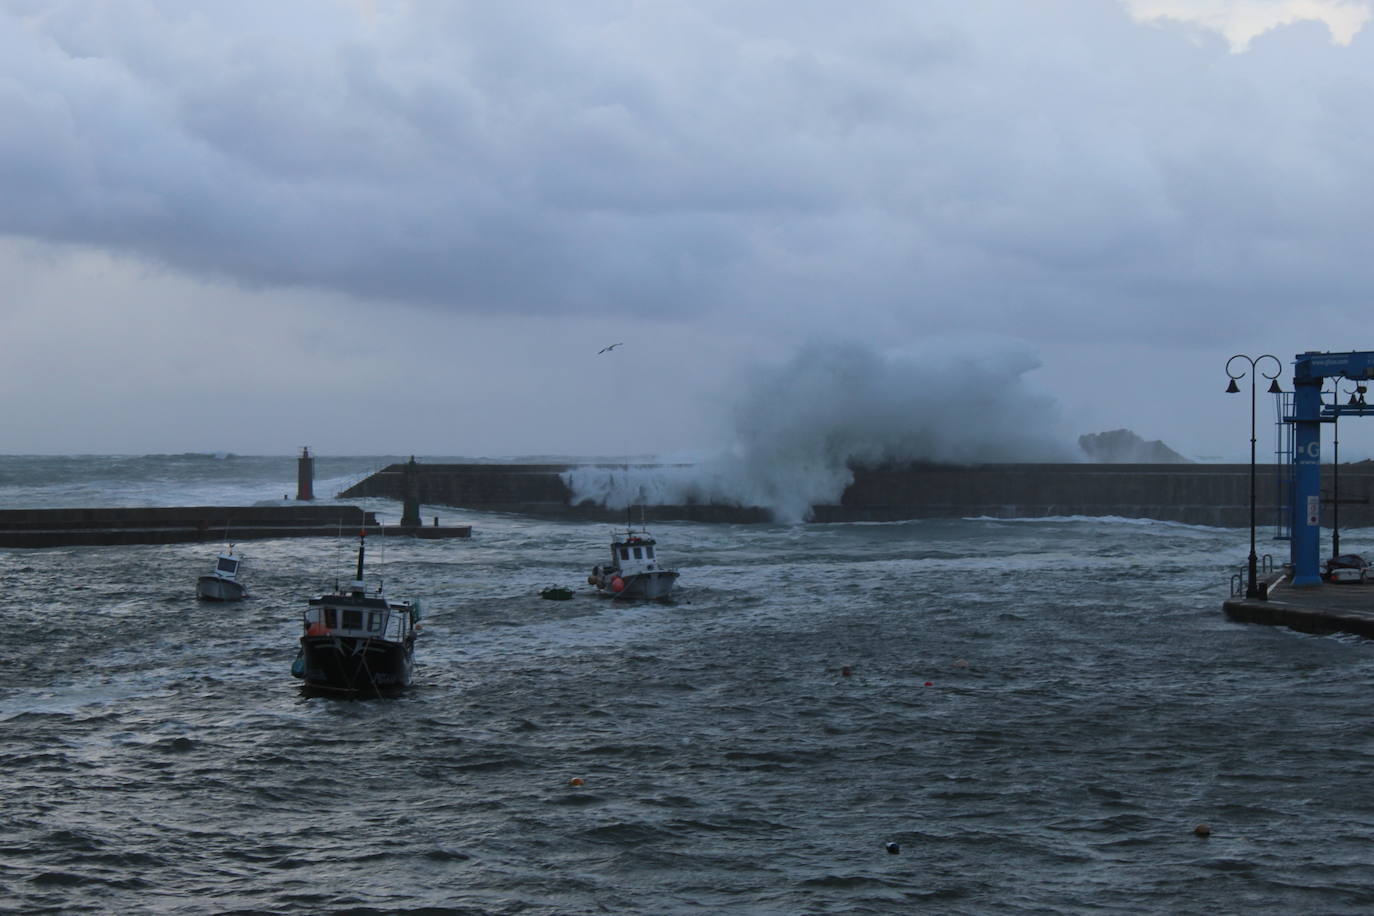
point(1331, 607)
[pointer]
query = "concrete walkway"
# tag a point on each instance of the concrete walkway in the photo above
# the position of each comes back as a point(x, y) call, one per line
point(1324, 608)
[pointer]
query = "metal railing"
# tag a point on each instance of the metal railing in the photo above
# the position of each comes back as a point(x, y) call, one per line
point(1239, 579)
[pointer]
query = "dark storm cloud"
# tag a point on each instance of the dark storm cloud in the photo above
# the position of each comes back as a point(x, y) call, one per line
point(1050, 169)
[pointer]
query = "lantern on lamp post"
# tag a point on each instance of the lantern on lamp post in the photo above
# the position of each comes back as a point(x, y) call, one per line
point(1251, 367)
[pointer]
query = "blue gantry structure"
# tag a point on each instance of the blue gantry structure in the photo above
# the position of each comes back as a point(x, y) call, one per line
point(1309, 410)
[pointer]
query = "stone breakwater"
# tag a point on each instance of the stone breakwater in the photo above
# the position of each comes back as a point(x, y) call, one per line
point(171, 525)
point(1201, 494)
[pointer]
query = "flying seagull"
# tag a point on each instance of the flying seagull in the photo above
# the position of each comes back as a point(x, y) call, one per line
point(611, 347)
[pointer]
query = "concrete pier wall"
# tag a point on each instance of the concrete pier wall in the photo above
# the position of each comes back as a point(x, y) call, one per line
point(1205, 494)
point(171, 525)
point(525, 489)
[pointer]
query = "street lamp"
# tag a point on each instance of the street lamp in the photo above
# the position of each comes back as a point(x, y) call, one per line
point(1336, 468)
point(1251, 585)
point(1356, 401)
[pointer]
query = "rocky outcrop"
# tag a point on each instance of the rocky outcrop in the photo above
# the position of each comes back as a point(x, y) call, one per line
point(1121, 446)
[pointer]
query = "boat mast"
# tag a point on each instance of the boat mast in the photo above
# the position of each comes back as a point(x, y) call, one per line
point(362, 546)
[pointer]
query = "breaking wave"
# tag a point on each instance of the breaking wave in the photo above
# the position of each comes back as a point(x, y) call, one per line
point(801, 428)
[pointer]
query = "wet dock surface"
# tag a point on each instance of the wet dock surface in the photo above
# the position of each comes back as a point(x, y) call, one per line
point(1325, 608)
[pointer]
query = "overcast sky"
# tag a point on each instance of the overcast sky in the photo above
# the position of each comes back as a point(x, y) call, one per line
point(409, 227)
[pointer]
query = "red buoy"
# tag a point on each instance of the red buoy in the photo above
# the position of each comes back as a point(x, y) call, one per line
point(617, 584)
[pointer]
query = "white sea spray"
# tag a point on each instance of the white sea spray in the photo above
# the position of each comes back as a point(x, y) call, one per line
point(802, 427)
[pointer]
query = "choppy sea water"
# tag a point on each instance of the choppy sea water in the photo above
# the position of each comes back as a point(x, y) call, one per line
point(1038, 714)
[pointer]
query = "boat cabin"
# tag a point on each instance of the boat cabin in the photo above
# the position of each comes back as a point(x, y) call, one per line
point(228, 566)
point(360, 618)
point(634, 554)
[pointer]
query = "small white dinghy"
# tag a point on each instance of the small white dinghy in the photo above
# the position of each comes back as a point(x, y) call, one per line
point(223, 584)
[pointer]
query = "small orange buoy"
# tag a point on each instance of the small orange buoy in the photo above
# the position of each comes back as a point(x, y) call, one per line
point(1202, 830)
point(617, 584)
point(575, 781)
point(930, 683)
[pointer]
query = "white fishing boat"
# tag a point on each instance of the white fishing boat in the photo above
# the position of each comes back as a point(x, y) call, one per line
point(223, 584)
point(358, 643)
point(633, 571)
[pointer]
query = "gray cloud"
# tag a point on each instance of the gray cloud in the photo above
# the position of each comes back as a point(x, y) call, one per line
point(1033, 165)
point(734, 178)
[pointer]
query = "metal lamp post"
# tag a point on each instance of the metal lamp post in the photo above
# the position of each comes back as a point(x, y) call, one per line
point(1357, 402)
point(1251, 584)
point(1336, 474)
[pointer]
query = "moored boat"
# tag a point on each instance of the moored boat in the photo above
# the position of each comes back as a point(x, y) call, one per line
point(1348, 567)
point(223, 584)
point(633, 571)
point(358, 643)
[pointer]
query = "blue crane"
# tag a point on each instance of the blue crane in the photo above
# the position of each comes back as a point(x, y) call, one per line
point(1310, 371)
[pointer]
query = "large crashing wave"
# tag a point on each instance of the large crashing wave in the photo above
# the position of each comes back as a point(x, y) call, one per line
point(801, 428)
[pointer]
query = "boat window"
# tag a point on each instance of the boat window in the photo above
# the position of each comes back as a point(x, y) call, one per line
point(353, 620)
point(331, 619)
point(639, 553)
point(374, 621)
point(227, 565)
point(624, 553)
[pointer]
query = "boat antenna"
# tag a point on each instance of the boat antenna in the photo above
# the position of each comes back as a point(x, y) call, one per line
point(338, 551)
point(382, 561)
point(362, 547)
